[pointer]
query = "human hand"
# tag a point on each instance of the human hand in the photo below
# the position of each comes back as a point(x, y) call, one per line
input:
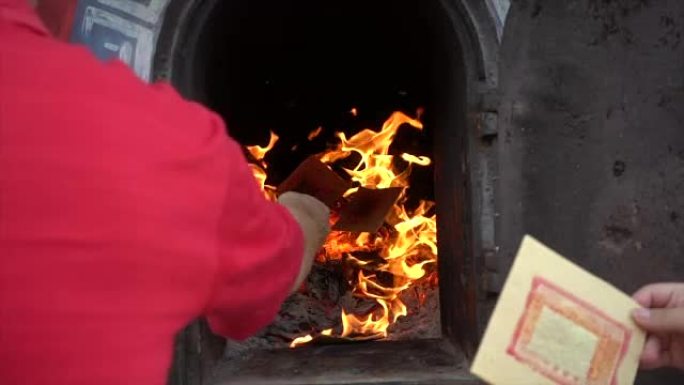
point(663, 319)
point(313, 217)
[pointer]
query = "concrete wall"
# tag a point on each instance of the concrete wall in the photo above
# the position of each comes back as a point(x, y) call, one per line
point(591, 138)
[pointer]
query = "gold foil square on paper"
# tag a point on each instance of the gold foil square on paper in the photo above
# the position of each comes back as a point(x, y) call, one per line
point(556, 323)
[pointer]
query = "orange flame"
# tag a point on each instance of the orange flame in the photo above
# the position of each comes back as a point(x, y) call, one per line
point(258, 152)
point(405, 246)
point(259, 168)
point(313, 134)
point(301, 341)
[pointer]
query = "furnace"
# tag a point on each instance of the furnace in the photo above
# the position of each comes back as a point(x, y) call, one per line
point(332, 80)
point(522, 135)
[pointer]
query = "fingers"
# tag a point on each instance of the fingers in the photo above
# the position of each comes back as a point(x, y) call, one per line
point(663, 318)
point(660, 320)
point(652, 356)
point(316, 209)
point(658, 294)
point(313, 218)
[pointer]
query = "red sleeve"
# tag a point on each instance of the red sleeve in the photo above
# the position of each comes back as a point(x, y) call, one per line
point(260, 252)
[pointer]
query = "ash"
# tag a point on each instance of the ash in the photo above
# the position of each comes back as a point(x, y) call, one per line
point(423, 319)
point(318, 305)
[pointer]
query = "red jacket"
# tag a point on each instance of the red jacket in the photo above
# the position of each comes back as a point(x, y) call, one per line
point(125, 212)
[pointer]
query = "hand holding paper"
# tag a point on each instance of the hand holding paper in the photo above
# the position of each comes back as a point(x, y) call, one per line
point(555, 323)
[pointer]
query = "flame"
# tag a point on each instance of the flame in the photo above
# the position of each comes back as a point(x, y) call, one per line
point(258, 152)
point(375, 169)
point(308, 338)
point(419, 160)
point(354, 111)
point(405, 247)
point(301, 341)
point(313, 134)
point(259, 168)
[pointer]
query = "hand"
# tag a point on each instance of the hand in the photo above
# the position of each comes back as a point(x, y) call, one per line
point(663, 319)
point(313, 217)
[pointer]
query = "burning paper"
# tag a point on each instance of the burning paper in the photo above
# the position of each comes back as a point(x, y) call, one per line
point(366, 209)
point(316, 179)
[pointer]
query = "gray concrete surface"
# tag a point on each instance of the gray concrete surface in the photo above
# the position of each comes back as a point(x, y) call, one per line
point(592, 138)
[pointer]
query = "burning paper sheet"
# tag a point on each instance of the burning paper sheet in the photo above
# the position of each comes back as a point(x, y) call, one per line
point(316, 179)
point(555, 323)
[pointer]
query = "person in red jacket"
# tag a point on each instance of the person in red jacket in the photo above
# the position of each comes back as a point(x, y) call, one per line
point(125, 213)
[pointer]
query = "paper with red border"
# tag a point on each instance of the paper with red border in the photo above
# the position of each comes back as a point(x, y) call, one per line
point(556, 323)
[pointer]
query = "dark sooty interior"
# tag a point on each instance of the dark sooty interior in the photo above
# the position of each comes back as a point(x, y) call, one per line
point(291, 67)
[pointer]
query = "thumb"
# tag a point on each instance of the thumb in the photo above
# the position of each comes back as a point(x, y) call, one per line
point(661, 320)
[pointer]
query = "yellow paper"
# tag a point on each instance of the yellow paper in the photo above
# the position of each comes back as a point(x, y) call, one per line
point(556, 323)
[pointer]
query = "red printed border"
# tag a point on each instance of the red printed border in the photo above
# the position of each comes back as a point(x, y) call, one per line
point(615, 333)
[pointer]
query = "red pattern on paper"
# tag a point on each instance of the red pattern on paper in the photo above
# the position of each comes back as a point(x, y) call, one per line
point(613, 343)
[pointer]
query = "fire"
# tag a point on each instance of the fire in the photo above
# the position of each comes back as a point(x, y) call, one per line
point(313, 134)
point(259, 153)
point(308, 338)
point(406, 245)
point(259, 165)
point(301, 340)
